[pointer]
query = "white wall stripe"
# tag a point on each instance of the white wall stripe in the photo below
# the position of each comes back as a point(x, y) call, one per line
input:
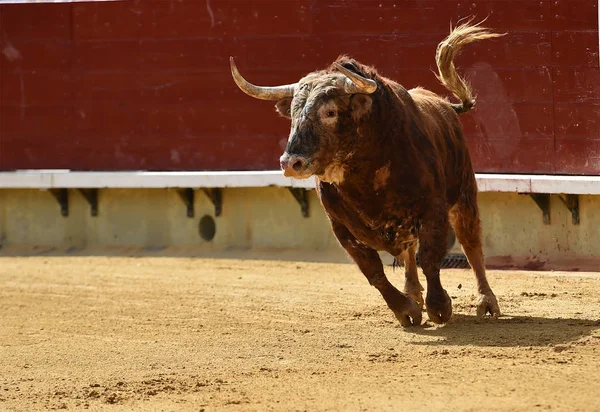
point(49, 179)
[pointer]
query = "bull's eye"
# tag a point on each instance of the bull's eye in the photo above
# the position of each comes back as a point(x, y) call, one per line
point(328, 113)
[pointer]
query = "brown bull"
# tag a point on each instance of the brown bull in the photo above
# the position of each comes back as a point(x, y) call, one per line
point(392, 171)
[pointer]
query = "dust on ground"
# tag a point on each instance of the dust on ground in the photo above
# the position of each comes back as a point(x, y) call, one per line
point(178, 334)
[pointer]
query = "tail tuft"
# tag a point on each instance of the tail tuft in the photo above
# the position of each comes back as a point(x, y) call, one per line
point(445, 54)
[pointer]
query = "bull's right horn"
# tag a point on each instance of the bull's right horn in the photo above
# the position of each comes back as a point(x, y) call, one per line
point(259, 92)
point(356, 83)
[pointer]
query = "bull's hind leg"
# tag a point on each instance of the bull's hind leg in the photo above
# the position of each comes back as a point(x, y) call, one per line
point(412, 286)
point(464, 218)
point(433, 235)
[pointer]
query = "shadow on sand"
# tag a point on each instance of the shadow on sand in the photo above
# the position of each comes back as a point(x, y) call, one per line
point(508, 331)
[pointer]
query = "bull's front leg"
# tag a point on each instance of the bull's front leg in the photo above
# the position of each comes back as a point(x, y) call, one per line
point(433, 234)
point(404, 307)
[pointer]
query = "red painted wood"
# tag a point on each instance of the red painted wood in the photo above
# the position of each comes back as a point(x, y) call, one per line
point(574, 15)
point(36, 22)
point(577, 121)
point(191, 54)
point(163, 19)
point(145, 84)
point(36, 56)
point(513, 155)
point(578, 156)
point(577, 85)
point(25, 89)
point(182, 154)
point(428, 16)
point(575, 49)
point(36, 124)
point(505, 120)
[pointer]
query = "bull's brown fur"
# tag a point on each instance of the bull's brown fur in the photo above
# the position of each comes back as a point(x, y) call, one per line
point(393, 171)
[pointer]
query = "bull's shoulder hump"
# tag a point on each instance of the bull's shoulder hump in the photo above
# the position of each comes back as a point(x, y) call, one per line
point(430, 101)
point(421, 93)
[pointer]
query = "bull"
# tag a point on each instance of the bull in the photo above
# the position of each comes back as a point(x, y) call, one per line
point(392, 170)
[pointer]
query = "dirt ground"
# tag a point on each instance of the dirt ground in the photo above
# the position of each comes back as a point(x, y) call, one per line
point(178, 334)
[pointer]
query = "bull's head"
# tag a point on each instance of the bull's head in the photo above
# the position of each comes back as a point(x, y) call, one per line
point(326, 108)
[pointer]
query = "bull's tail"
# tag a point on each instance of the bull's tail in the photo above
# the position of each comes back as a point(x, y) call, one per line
point(445, 54)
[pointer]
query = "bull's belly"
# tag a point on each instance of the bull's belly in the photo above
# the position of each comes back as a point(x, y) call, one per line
point(388, 238)
point(392, 228)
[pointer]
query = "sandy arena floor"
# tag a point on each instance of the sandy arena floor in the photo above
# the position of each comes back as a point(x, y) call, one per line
point(172, 334)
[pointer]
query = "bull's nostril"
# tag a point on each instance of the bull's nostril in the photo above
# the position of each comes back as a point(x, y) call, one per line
point(297, 166)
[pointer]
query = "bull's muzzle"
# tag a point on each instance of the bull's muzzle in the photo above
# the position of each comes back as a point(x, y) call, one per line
point(293, 165)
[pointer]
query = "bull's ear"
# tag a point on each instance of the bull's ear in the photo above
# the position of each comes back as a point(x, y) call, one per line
point(361, 106)
point(284, 107)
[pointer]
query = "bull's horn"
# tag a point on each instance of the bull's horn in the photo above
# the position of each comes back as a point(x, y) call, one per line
point(263, 93)
point(355, 83)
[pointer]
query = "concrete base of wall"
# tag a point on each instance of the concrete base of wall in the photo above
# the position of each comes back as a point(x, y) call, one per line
point(268, 223)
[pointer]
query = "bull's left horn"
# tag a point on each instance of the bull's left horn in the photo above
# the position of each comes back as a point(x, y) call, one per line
point(259, 92)
point(355, 83)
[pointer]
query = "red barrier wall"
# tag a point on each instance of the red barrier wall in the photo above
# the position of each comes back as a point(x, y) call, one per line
point(146, 84)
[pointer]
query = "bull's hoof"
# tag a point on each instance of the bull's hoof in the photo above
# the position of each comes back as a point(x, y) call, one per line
point(488, 304)
point(415, 292)
point(439, 307)
point(409, 316)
